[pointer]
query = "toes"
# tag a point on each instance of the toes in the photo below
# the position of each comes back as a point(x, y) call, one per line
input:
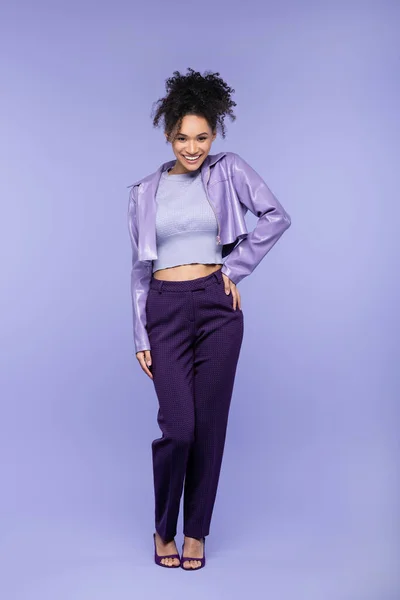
point(191, 564)
point(170, 561)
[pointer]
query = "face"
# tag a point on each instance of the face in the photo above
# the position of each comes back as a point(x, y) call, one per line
point(194, 139)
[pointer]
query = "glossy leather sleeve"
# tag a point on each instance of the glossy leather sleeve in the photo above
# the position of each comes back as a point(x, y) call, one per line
point(140, 281)
point(254, 193)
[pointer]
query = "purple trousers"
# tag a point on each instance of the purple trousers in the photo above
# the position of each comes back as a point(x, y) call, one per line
point(195, 337)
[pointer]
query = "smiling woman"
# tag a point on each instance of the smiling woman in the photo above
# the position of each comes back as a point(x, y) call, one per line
point(184, 220)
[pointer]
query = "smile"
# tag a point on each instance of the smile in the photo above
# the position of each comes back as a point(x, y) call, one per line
point(192, 159)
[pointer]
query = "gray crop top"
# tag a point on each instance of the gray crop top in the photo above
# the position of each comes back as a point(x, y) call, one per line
point(186, 227)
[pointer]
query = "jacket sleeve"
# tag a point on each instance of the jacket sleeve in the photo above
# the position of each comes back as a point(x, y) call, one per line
point(273, 220)
point(140, 281)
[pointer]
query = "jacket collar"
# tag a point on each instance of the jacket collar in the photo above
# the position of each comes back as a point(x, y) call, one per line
point(154, 178)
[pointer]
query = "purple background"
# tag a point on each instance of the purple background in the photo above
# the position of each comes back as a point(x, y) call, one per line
point(307, 506)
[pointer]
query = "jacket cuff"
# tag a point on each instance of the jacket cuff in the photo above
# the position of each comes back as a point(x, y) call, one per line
point(230, 273)
point(140, 347)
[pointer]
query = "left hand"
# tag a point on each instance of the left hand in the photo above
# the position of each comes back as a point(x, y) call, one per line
point(229, 286)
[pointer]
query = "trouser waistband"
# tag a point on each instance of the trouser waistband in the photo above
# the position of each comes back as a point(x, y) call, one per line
point(188, 285)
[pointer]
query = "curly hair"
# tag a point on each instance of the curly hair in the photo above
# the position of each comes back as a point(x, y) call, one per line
point(203, 95)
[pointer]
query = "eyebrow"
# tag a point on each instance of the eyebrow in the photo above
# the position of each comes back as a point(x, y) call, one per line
point(204, 132)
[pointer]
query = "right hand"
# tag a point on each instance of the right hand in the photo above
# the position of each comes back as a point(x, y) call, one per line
point(144, 358)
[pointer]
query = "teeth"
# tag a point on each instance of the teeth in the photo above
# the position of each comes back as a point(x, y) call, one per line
point(192, 157)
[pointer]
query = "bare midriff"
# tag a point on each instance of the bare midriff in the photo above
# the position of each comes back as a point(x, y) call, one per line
point(186, 272)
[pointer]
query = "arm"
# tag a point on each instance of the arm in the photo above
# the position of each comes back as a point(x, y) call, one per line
point(273, 220)
point(140, 281)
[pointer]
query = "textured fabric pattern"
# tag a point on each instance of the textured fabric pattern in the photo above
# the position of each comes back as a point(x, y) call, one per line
point(186, 226)
point(195, 337)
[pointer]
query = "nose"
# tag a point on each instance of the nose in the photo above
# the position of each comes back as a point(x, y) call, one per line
point(192, 148)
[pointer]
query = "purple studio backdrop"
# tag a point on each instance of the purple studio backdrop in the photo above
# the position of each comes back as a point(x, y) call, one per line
point(307, 505)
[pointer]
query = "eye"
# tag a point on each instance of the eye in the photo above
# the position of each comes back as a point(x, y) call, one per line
point(182, 139)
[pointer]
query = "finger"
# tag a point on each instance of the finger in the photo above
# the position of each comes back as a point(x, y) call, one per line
point(148, 363)
point(227, 287)
point(145, 362)
point(146, 368)
point(147, 358)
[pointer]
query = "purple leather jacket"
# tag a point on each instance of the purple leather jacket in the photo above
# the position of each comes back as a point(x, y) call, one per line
point(232, 187)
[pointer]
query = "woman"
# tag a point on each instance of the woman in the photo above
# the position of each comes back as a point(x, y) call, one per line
point(190, 249)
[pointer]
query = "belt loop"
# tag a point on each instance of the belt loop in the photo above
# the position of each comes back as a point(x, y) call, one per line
point(160, 286)
point(217, 276)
